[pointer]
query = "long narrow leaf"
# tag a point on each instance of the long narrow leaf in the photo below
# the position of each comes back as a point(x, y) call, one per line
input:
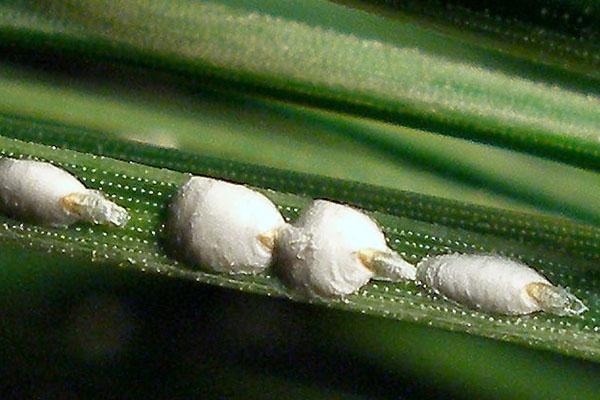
point(146, 192)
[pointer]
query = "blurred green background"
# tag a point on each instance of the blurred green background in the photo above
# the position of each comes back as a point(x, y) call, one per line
point(71, 330)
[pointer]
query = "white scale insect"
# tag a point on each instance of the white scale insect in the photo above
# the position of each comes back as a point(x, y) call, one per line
point(45, 194)
point(496, 285)
point(333, 250)
point(223, 226)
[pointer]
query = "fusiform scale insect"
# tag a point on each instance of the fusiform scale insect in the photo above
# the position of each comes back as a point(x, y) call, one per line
point(45, 194)
point(223, 226)
point(495, 284)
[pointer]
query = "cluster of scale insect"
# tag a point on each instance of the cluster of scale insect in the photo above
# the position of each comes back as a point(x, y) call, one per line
point(330, 251)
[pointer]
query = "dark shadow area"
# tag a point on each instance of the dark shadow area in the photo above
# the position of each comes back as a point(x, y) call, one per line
point(578, 19)
point(110, 333)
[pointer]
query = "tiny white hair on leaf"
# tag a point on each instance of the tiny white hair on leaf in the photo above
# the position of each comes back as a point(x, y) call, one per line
point(42, 193)
point(495, 284)
point(333, 250)
point(223, 226)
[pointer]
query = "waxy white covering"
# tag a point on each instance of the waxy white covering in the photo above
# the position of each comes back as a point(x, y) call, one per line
point(45, 194)
point(218, 225)
point(320, 254)
point(490, 283)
